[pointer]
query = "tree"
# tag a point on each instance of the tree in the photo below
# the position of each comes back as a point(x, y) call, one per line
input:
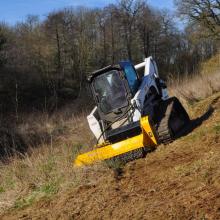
point(42, 59)
point(203, 12)
point(127, 13)
point(3, 42)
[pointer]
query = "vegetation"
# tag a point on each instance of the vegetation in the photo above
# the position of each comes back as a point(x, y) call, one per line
point(44, 99)
point(47, 170)
point(43, 64)
point(203, 13)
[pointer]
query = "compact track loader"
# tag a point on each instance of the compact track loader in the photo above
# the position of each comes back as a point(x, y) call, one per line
point(132, 114)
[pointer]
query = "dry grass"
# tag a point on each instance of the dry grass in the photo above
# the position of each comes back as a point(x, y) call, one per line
point(194, 88)
point(211, 66)
point(54, 141)
point(177, 181)
point(46, 168)
point(191, 90)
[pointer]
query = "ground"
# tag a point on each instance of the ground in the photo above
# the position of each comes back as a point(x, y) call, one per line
point(176, 181)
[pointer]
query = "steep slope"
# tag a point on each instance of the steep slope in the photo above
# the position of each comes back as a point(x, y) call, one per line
point(177, 181)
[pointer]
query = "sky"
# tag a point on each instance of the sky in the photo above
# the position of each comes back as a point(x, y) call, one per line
point(12, 11)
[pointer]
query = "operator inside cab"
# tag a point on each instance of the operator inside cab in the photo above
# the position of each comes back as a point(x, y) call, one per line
point(110, 91)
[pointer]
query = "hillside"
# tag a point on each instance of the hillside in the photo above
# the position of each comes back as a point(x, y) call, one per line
point(177, 181)
point(52, 53)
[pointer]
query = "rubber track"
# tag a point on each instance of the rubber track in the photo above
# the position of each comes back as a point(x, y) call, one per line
point(164, 133)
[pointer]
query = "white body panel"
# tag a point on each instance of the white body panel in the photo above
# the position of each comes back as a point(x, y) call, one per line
point(148, 81)
point(94, 124)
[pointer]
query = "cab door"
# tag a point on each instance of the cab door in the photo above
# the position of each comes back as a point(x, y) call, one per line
point(131, 75)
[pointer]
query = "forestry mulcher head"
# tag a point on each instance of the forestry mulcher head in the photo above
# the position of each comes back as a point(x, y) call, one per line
point(133, 113)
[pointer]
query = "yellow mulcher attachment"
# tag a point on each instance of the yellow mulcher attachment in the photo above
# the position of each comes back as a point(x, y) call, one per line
point(147, 138)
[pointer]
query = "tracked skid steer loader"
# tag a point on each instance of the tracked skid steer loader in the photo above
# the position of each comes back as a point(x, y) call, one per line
point(132, 115)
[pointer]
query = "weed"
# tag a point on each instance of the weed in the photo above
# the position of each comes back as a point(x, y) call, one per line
point(45, 191)
point(2, 189)
point(188, 169)
point(76, 149)
point(47, 167)
point(49, 188)
point(9, 182)
point(20, 171)
point(197, 135)
point(217, 129)
point(29, 200)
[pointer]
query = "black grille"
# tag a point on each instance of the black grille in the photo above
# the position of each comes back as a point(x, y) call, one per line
point(123, 132)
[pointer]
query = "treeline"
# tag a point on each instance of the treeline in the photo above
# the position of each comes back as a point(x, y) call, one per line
point(44, 63)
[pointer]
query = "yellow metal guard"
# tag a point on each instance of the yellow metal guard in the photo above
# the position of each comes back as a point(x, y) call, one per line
point(145, 139)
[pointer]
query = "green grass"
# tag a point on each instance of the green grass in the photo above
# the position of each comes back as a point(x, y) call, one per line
point(76, 150)
point(48, 166)
point(43, 192)
point(49, 188)
point(187, 169)
point(2, 189)
point(29, 200)
point(217, 129)
point(203, 132)
point(197, 135)
point(9, 182)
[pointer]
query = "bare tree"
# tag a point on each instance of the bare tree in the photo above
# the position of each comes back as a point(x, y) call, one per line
point(127, 12)
point(203, 12)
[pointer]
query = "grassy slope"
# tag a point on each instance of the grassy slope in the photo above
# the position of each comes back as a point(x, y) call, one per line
point(180, 180)
point(177, 181)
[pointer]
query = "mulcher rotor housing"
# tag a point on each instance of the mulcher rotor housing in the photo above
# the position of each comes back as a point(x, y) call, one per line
point(133, 112)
